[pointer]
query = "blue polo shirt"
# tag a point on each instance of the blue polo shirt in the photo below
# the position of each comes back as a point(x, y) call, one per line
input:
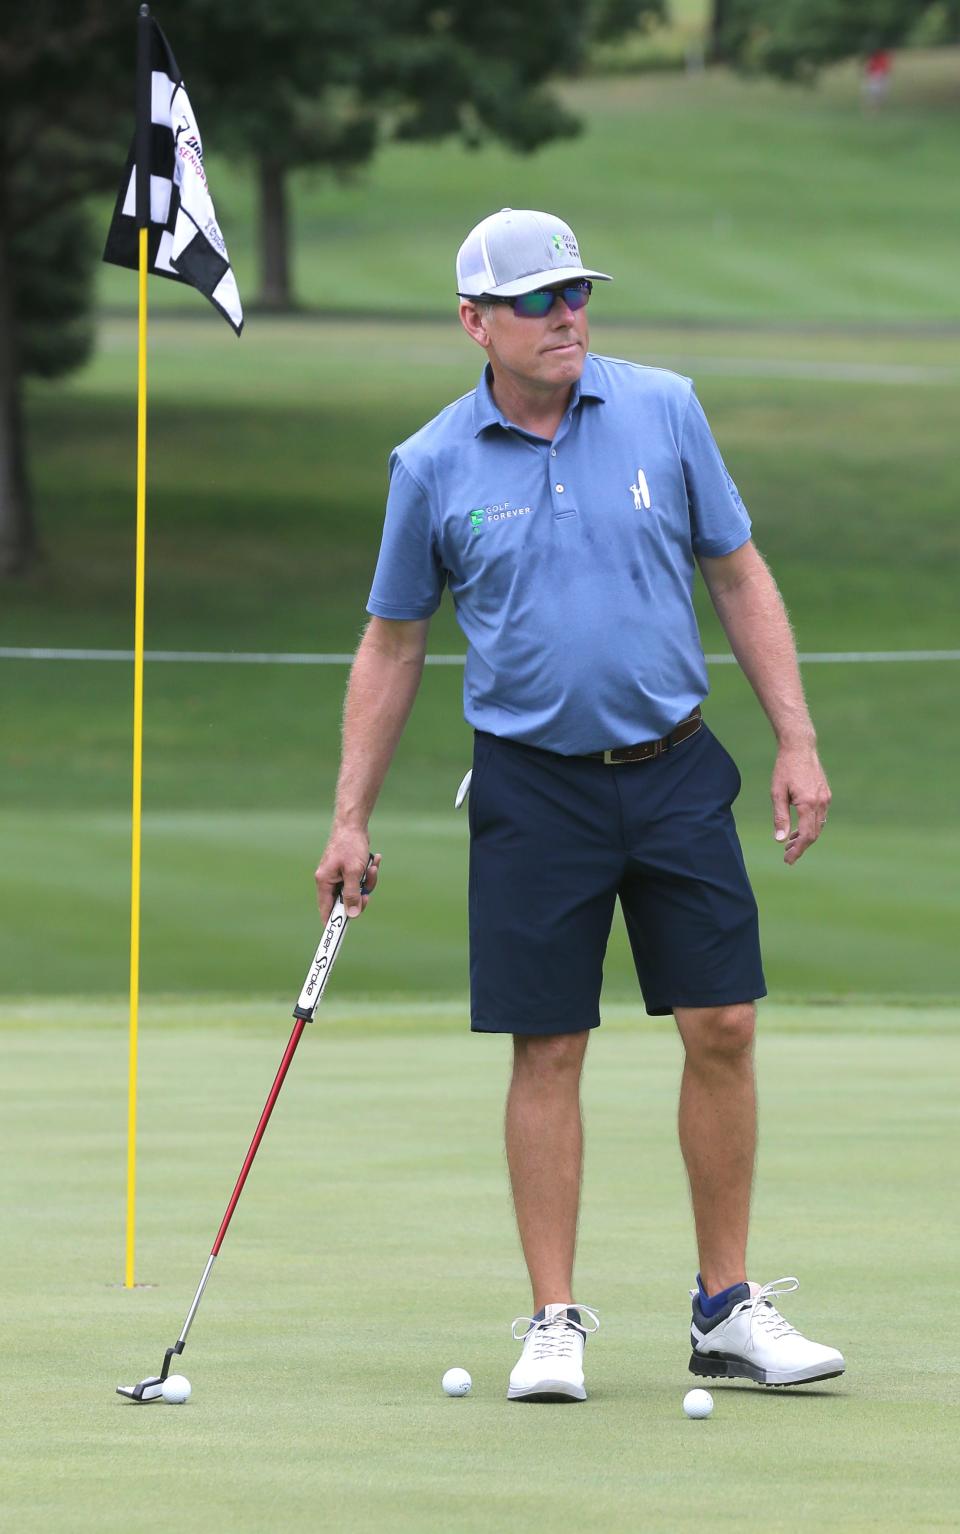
point(571, 562)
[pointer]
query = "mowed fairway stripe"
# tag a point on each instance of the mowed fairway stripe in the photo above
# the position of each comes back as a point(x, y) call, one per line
point(818, 371)
point(229, 906)
point(306, 658)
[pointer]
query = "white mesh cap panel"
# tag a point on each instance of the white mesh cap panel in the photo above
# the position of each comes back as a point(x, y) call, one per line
point(517, 250)
point(473, 274)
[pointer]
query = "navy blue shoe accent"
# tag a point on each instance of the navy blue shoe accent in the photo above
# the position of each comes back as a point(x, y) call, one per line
point(710, 1310)
point(712, 1304)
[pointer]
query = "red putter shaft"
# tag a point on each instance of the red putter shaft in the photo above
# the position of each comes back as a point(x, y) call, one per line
point(288, 1055)
point(150, 1389)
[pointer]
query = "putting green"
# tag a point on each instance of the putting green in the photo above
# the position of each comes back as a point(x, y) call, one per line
point(374, 1248)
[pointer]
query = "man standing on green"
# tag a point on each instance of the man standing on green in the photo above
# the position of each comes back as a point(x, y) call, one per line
point(566, 502)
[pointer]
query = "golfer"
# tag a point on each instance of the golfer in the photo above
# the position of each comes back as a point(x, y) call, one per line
point(566, 503)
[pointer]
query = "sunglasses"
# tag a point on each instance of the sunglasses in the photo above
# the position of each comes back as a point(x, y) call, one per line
point(534, 306)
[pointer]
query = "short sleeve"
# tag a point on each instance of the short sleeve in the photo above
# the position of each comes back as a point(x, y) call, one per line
point(719, 522)
point(409, 578)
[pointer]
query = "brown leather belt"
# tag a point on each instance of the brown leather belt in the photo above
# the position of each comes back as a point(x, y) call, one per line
point(647, 749)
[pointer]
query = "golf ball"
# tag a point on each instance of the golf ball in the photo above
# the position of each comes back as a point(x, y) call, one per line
point(457, 1382)
point(698, 1403)
point(176, 1389)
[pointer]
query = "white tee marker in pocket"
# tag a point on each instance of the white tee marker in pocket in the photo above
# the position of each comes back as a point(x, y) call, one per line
point(463, 790)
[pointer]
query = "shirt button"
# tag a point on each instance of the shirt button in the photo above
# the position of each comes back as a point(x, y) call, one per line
point(559, 489)
point(553, 452)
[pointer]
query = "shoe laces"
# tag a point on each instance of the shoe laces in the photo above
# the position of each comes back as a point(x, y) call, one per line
point(557, 1337)
point(764, 1315)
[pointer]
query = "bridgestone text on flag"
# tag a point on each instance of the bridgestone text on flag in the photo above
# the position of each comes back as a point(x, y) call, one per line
point(184, 239)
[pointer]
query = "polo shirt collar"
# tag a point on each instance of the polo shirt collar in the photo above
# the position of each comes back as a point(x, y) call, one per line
point(486, 412)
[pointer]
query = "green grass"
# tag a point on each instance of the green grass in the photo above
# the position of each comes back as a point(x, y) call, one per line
point(267, 465)
point(707, 197)
point(268, 472)
point(239, 775)
point(264, 513)
point(227, 908)
point(374, 1248)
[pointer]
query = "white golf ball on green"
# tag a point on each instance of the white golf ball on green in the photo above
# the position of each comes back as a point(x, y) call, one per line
point(698, 1403)
point(457, 1382)
point(176, 1389)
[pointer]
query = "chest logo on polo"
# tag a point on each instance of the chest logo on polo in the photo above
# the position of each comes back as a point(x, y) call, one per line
point(641, 492)
point(501, 512)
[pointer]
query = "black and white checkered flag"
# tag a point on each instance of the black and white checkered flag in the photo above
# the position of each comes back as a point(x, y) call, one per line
point(184, 240)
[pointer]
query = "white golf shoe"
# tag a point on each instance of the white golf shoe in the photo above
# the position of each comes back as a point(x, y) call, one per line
point(750, 1339)
point(550, 1367)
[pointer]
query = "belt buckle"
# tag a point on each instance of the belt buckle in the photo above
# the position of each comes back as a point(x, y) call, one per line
point(611, 760)
point(614, 759)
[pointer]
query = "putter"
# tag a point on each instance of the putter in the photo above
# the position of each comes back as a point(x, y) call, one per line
point(151, 1389)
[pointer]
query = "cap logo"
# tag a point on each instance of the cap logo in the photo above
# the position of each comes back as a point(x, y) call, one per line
point(566, 242)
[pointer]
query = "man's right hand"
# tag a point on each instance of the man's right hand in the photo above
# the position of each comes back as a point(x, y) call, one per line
point(345, 862)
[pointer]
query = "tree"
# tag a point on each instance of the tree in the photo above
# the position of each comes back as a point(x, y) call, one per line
point(279, 87)
point(286, 84)
point(335, 81)
point(62, 137)
point(717, 31)
point(793, 39)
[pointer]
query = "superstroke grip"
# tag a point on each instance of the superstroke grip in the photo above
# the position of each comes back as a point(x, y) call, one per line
point(323, 961)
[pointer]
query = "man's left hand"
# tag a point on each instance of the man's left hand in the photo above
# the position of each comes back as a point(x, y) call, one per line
point(799, 782)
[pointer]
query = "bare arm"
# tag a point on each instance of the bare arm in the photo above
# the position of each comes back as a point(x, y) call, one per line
point(383, 683)
point(751, 610)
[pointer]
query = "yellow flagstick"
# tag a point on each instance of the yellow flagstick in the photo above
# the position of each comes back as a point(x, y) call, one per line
point(137, 760)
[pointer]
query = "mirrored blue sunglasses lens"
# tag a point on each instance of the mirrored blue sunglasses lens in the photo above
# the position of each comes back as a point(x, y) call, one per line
point(533, 306)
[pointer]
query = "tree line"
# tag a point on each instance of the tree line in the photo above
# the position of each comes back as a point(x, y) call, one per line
point(291, 84)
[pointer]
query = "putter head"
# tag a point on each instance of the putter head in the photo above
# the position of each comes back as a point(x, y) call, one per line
point(150, 1389)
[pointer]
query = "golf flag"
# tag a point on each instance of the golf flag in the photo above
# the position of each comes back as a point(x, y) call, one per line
point(184, 242)
point(164, 223)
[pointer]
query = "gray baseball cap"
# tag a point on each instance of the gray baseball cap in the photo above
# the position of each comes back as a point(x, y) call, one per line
point(517, 251)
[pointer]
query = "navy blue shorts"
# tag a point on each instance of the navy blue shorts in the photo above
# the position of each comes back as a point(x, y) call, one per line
point(555, 840)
